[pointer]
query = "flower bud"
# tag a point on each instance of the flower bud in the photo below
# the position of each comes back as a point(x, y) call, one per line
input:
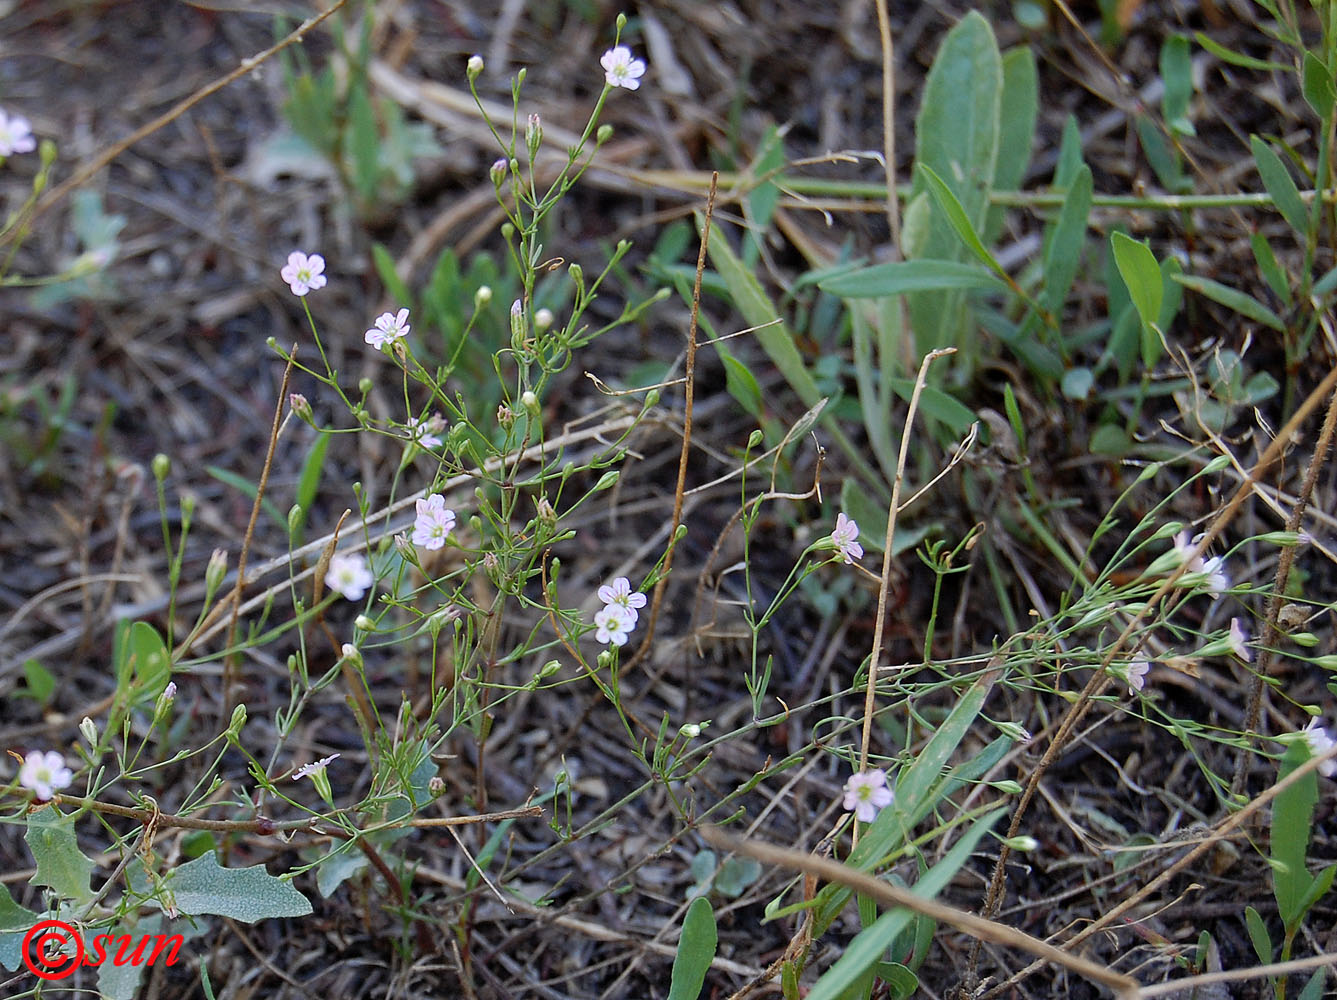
point(89, 730)
point(364, 624)
point(164, 701)
point(542, 320)
point(364, 386)
point(517, 324)
point(529, 401)
point(548, 669)
point(294, 519)
point(533, 135)
point(577, 275)
point(352, 655)
point(162, 465)
point(498, 172)
point(483, 296)
point(436, 785)
point(546, 514)
point(216, 570)
point(754, 440)
point(604, 133)
point(300, 407)
point(505, 416)
point(606, 480)
point(474, 67)
point(236, 722)
point(690, 731)
point(1022, 843)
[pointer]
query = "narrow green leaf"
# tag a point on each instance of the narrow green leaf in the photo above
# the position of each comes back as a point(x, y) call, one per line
point(1177, 75)
point(1162, 156)
point(1292, 823)
point(246, 894)
point(1233, 298)
point(1269, 268)
point(1018, 110)
point(918, 791)
point(385, 268)
point(1069, 153)
point(1326, 285)
point(896, 277)
point(245, 486)
point(1318, 888)
point(957, 218)
point(1278, 183)
point(1063, 254)
point(741, 383)
point(868, 946)
point(1141, 274)
point(1313, 989)
point(61, 867)
point(1316, 84)
point(696, 950)
point(309, 480)
point(1262, 941)
point(1237, 58)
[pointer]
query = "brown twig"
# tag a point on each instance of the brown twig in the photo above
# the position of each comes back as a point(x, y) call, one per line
point(1100, 677)
point(890, 895)
point(230, 660)
point(884, 584)
point(247, 65)
point(1285, 559)
point(689, 380)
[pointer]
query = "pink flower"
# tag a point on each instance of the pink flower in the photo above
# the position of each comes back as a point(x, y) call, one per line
point(349, 575)
point(44, 773)
point(423, 433)
point(434, 522)
point(866, 793)
point(1137, 675)
point(612, 625)
point(389, 328)
point(303, 273)
point(1239, 641)
point(1320, 743)
point(620, 69)
point(15, 134)
point(619, 594)
point(845, 538)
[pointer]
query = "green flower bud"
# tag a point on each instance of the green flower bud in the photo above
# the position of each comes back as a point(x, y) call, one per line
point(162, 465)
point(604, 133)
point(606, 480)
point(215, 571)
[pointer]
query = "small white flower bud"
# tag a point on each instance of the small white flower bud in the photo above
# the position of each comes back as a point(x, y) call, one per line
point(352, 654)
point(483, 296)
point(529, 401)
point(474, 67)
point(89, 730)
point(543, 319)
point(216, 570)
point(364, 624)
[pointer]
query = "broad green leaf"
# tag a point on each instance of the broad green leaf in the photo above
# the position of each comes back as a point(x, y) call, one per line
point(15, 921)
point(151, 661)
point(1019, 108)
point(1077, 382)
point(1292, 823)
point(1316, 84)
point(1238, 59)
point(1269, 268)
point(1162, 156)
point(61, 866)
point(901, 982)
point(1262, 941)
point(41, 682)
point(1063, 253)
point(696, 950)
point(1141, 275)
point(951, 207)
point(1278, 183)
point(957, 137)
point(1233, 299)
point(897, 277)
point(246, 894)
point(1177, 75)
point(867, 948)
point(1313, 989)
point(957, 131)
